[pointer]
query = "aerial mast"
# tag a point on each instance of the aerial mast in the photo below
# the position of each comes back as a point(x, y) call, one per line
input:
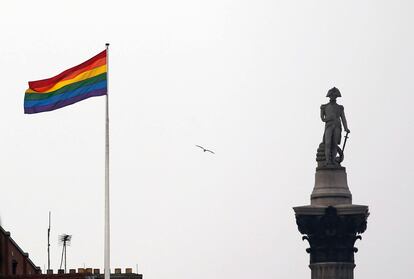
point(65, 240)
point(48, 244)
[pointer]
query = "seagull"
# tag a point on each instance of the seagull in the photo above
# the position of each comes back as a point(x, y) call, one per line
point(205, 149)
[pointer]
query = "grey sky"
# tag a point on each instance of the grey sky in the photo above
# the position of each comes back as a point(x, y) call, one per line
point(244, 78)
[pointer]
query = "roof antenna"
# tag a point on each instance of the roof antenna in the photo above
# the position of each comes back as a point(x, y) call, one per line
point(65, 240)
point(48, 245)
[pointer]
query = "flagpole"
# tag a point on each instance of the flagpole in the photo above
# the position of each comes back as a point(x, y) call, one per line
point(107, 270)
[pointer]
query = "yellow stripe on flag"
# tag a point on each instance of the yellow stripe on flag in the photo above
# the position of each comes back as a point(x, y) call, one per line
point(81, 76)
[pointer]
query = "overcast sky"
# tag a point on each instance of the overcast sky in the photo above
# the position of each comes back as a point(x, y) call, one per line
point(243, 78)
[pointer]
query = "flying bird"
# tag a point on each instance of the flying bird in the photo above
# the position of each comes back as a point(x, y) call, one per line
point(205, 150)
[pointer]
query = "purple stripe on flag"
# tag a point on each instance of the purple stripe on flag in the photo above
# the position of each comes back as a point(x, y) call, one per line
point(67, 102)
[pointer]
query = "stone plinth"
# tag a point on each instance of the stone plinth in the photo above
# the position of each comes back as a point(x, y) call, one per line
point(331, 187)
point(331, 224)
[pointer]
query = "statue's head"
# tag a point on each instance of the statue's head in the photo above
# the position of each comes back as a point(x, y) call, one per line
point(333, 93)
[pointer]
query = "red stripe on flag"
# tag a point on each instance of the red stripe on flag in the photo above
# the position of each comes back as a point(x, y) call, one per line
point(45, 84)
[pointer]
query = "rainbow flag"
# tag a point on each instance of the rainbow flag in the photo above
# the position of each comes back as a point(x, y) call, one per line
point(86, 80)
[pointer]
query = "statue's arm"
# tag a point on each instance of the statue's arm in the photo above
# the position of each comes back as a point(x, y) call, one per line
point(323, 113)
point(343, 118)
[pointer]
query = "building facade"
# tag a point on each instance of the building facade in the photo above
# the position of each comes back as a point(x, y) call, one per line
point(13, 260)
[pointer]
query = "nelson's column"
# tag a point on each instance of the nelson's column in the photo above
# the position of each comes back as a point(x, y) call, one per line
point(331, 223)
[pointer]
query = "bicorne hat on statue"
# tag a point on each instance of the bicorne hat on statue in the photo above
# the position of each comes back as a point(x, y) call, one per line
point(334, 92)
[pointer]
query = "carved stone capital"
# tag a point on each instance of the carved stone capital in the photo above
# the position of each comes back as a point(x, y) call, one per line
point(331, 236)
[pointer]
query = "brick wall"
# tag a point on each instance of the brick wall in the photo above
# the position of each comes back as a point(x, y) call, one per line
point(13, 261)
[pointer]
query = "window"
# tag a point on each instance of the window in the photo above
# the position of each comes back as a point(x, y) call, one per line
point(14, 267)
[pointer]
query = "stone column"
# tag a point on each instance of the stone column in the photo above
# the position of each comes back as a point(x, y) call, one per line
point(331, 224)
point(332, 270)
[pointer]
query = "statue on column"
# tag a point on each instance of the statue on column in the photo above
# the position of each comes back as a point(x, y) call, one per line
point(332, 114)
